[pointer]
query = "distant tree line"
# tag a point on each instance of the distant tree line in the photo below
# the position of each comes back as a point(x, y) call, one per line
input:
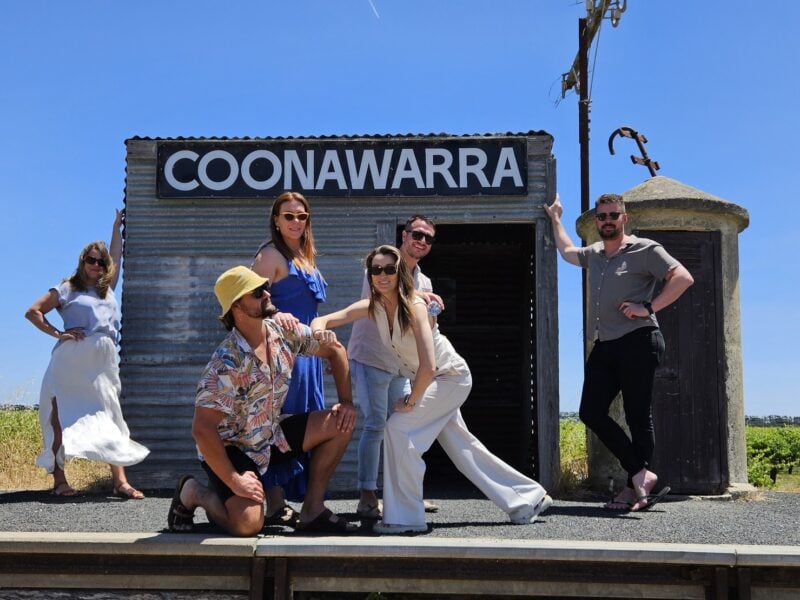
point(772, 421)
point(768, 421)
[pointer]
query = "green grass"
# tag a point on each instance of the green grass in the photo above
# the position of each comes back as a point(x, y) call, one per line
point(574, 465)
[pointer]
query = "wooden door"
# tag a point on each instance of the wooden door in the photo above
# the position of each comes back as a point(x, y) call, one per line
point(688, 395)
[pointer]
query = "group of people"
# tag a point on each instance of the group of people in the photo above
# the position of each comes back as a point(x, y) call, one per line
point(260, 424)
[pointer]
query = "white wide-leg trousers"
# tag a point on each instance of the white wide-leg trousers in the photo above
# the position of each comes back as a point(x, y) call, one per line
point(437, 416)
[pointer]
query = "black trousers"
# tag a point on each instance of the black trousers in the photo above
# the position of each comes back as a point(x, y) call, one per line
point(626, 365)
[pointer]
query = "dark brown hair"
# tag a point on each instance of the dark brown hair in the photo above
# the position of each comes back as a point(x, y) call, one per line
point(610, 199)
point(423, 218)
point(405, 286)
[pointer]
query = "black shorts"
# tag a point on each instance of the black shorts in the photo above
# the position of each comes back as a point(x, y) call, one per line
point(294, 429)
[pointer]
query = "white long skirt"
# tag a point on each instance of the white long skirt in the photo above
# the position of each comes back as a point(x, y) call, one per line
point(83, 379)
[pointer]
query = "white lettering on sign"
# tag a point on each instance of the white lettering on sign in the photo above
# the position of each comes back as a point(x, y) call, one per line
point(440, 169)
point(358, 173)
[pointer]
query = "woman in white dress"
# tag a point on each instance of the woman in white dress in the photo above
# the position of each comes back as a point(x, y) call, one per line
point(441, 382)
point(79, 409)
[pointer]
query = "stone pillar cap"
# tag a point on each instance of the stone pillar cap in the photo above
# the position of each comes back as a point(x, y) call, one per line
point(661, 192)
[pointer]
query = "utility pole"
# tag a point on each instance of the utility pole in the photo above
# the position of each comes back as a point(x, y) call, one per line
point(583, 110)
point(578, 76)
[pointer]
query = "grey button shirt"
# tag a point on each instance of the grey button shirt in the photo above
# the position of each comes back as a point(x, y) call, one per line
point(631, 275)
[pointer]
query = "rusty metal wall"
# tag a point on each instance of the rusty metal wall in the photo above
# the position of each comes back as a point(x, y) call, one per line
point(175, 249)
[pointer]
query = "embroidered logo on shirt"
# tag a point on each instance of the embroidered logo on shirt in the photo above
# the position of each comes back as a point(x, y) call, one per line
point(622, 269)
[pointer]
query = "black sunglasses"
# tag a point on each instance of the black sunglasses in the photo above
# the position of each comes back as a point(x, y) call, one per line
point(300, 216)
point(420, 235)
point(378, 269)
point(604, 216)
point(91, 260)
point(258, 293)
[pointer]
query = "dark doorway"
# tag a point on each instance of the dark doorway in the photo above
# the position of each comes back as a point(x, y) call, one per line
point(484, 274)
point(688, 399)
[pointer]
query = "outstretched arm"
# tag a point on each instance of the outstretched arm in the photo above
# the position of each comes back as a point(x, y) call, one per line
point(115, 248)
point(321, 326)
point(568, 250)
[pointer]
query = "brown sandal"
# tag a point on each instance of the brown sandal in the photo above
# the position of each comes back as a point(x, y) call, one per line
point(128, 492)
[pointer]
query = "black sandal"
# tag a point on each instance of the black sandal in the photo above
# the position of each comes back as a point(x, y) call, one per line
point(285, 516)
point(180, 519)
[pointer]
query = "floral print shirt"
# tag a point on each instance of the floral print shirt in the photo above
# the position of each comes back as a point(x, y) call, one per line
point(250, 393)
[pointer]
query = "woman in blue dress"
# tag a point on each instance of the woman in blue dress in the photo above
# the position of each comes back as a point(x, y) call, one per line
point(297, 288)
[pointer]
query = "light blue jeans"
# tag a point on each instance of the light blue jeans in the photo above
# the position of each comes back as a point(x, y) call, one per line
point(375, 390)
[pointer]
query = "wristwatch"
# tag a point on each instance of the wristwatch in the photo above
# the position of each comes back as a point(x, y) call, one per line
point(649, 307)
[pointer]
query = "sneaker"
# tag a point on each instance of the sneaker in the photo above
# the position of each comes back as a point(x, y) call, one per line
point(430, 507)
point(393, 529)
point(527, 514)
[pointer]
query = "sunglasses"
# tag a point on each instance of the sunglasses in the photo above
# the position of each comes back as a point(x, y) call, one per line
point(420, 235)
point(605, 216)
point(259, 292)
point(378, 269)
point(91, 260)
point(301, 216)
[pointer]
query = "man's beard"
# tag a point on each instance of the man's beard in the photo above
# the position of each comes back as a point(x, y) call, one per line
point(265, 311)
point(610, 234)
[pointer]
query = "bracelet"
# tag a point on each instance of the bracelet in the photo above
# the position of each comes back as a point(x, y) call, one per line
point(406, 401)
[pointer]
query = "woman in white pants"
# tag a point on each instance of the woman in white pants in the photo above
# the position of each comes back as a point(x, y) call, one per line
point(441, 383)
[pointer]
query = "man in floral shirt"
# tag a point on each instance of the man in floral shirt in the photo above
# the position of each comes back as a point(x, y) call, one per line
point(238, 424)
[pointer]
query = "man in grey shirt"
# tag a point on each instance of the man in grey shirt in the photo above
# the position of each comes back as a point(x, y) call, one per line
point(628, 345)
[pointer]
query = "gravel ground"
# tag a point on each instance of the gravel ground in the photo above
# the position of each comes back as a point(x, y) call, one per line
point(767, 518)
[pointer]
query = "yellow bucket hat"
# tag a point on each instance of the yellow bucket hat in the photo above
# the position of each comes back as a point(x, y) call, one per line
point(235, 283)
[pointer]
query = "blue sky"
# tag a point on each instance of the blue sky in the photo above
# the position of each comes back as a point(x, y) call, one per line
point(713, 85)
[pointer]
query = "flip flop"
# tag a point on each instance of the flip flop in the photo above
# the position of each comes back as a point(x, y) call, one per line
point(285, 516)
point(327, 522)
point(652, 499)
point(623, 506)
point(180, 519)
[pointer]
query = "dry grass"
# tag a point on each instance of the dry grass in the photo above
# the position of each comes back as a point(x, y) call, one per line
point(20, 444)
point(788, 482)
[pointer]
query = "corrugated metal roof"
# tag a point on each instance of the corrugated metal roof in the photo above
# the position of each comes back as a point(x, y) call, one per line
point(377, 136)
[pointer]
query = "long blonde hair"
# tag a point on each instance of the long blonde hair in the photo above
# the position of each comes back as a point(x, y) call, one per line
point(78, 278)
point(405, 286)
point(305, 259)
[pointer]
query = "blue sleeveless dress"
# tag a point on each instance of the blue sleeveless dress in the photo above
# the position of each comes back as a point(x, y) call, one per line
point(299, 293)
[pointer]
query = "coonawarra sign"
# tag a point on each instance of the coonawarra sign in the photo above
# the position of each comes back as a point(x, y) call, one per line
point(418, 167)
